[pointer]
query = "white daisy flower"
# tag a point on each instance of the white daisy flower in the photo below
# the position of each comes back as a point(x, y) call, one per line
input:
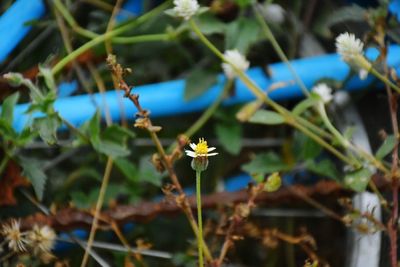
point(200, 150)
point(324, 92)
point(12, 234)
point(234, 57)
point(349, 47)
point(42, 239)
point(186, 8)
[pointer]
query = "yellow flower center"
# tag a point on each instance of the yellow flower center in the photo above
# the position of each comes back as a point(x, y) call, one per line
point(201, 148)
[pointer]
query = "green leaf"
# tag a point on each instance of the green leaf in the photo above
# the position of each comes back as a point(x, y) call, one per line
point(348, 13)
point(25, 137)
point(209, 24)
point(47, 128)
point(7, 131)
point(230, 136)
point(48, 78)
point(247, 110)
point(148, 173)
point(244, 3)
point(304, 147)
point(241, 34)
point(32, 170)
point(7, 109)
point(198, 81)
point(386, 147)
point(267, 117)
point(304, 105)
point(170, 12)
point(94, 125)
point(358, 180)
point(325, 168)
point(265, 163)
point(128, 169)
point(109, 148)
point(117, 133)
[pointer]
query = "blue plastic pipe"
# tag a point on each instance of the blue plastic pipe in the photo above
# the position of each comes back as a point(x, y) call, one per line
point(13, 26)
point(167, 98)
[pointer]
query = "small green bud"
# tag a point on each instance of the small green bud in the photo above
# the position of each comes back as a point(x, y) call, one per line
point(199, 164)
point(273, 182)
point(14, 79)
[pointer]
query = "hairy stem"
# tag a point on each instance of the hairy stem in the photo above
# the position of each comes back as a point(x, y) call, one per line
point(289, 117)
point(103, 37)
point(200, 239)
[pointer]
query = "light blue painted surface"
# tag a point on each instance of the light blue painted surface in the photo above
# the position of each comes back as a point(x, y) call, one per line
point(12, 23)
point(166, 98)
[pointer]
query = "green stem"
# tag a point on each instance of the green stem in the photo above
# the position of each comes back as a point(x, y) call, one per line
point(268, 33)
point(142, 38)
point(289, 118)
point(210, 111)
point(384, 79)
point(74, 129)
point(103, 37)
point(206, 115)
point(343, 141)
point(71, 21)
point(199, 218)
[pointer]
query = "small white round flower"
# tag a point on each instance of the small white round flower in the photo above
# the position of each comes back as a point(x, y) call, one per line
point(363, 74)
point(200, 150)
point(186, 8)
point(41, 239)
point(324, 92)
point(234, 57)
point(12, 234)
point(273, 13)
point(349, 47)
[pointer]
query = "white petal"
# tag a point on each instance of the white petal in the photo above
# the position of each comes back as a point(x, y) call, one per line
point(190, 153)
point(210, 149)
point(193, 146)
point(212, 154)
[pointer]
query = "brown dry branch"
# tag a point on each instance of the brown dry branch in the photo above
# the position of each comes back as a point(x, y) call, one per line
point(143, 121)
point(241, 213)
point(379, 36)
point(71, 218)
point(270, 238)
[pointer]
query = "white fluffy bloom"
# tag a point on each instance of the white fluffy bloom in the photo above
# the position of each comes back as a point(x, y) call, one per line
point(41, 239)
point(273, 13)
point(186, 8)
point(12, 233)
point(324, 92)
point(349, 47)
point(235, 58)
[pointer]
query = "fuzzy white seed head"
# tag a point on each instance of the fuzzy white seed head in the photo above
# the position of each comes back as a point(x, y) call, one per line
point(349, 47)
point(186, 8)
point(41, 239)
point(273, 13)
point(324, 92)
point(234, 57)
point(14, 237)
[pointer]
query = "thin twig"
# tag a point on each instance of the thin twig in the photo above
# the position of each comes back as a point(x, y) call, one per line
point(143, 121)
point(99, 204)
